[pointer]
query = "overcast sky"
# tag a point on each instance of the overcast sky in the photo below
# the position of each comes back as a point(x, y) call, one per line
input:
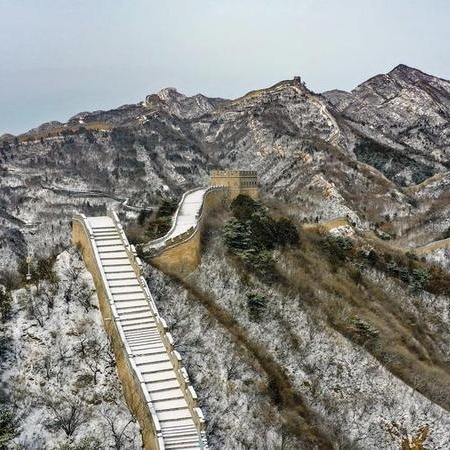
point(60, 57)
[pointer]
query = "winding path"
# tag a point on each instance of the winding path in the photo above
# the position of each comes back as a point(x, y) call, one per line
point(185, 217)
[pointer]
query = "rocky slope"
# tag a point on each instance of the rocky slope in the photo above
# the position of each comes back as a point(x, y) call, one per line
point(401, 120)
point(375, 158)
point(329, 155)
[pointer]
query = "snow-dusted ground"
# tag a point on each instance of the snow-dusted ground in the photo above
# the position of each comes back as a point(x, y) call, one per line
point(344, 384)
point(232, 390)
point(60, 363)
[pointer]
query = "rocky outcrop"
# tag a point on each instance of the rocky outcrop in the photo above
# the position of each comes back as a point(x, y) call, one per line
point(401, 120)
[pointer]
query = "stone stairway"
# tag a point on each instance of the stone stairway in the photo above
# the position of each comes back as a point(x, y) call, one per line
point(150, 347)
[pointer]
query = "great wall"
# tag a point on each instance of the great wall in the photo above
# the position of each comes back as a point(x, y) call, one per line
point(155, 384)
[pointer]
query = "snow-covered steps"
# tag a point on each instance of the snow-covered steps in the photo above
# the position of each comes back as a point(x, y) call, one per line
point(179, 422)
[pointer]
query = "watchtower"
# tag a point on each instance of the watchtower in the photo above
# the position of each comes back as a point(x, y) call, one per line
point(238, 181)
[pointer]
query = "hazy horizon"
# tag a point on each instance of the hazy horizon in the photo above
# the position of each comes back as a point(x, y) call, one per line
point(61, 58)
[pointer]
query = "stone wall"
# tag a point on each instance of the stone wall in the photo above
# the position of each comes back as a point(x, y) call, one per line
point(238, 181)
point(184, 255)
point(134, 395)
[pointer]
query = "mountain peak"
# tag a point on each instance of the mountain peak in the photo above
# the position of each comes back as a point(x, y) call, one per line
point(403, 68)
point(407, 73)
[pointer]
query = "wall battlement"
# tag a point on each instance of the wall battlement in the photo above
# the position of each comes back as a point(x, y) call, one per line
point(237, 181)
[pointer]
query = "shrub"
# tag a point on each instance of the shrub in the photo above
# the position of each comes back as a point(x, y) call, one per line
point(337, 247)
point(252, 234)
point(420, 279)
point(446, 234)
point(161, 224)
point(167, 208)
point(363, 330)
point(243, 207)
point(5, 304)
point(256, 304)
point(237, 236)
point(286, 233)
point(8, 426)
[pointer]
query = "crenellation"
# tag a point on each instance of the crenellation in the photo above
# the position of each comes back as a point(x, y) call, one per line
point(237, 181)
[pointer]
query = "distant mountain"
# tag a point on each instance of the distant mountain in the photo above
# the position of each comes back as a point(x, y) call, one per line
point(402, 123)
point(328, 155)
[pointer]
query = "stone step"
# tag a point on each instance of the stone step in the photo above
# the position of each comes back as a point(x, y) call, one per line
point(123, 282)
point(174, 414)
point(159, 358)
point(155, 339)
point(183, 447)
point(148, 359)
point(168, 394)
point(130, 275)
point(116, 262)
point(105, 256)
point(178, 432)
point(177, 429)
point(182, 442)
point(152, 348)
point(105, 243)
point(125, 289)
point(170, 404)
point(120, 269)
point(131, 322)
point(154, 358)
point(160, 376)
point(126, 297)
point(163, 385)
point(110, 249)
point(169, 423)
point(130, 296)
point(105, 230)
point(131, 305)
point(136, 346)
point(142, 336)
point(156, 367)
point(100, 221)
point(127, 316)
point(139, 324)
point(108, 238)
point(138, 331)
point(126, 308)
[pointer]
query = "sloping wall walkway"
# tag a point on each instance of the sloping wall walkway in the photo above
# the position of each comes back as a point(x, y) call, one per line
point(156, 385)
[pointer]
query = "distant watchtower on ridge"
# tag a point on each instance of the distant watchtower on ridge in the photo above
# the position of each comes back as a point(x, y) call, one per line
point(238, 181)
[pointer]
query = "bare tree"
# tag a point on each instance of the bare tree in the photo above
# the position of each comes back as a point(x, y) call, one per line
point(68, 412)
point(118, 429)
